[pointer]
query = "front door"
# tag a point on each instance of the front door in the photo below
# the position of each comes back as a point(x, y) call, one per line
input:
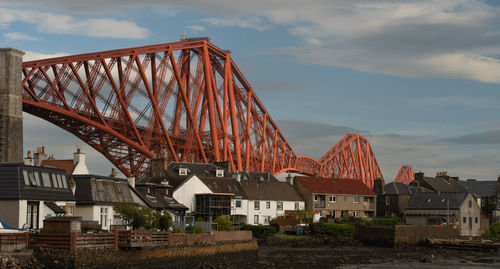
point(32, 214)
point(470, 223)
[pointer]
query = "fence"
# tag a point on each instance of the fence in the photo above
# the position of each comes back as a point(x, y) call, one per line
point(143, 238)
point(13, 241)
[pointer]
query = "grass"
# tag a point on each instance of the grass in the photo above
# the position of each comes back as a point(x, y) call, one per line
point(287, 236)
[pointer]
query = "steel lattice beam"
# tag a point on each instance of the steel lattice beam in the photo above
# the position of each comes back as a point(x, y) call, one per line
point(405, 174)
point(186, 100)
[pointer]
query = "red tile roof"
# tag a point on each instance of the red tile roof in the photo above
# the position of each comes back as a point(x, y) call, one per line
point(61, 164)
point(335, 186)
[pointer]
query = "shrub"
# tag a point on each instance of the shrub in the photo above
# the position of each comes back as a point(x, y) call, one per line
point(332, 229)
point(224, 224)
point(260, 231)
point(493, 231)
point(194, 229)
point(143, 217)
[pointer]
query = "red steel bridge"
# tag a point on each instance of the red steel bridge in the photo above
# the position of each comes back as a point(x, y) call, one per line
point(405, 174)
point(185, 100)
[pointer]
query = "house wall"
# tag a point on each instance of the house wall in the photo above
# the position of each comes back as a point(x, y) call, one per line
point(471, 214)
point(10, 213)
point(271, 212)
point(345, 202)
point(305, 193)
point(420, 217)
point(185, 193)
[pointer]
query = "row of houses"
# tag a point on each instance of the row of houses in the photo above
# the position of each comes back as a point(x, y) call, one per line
point(42, 187)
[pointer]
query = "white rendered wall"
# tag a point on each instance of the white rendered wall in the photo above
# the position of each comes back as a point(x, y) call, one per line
point(185, 193)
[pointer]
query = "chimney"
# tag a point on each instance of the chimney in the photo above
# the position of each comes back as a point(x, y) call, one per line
point(289, 179)
point(238, 176)
point(79, 163)
point(29, 159)
point(40, 156)
point(113, 173)
point(378, 186)
point(131, 181)
point(419, 176)
point(158, 167)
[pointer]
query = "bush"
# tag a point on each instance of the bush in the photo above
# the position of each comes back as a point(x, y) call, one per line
point(143, 217)
point(332, 229)
point(260, 231)
point(224, 224)
point(194, 229)
point(493, 231)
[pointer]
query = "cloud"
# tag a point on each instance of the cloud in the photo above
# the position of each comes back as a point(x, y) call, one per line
point(196, 28)
point(53, 23)
point(19, 36)
point(254, 23)
point(278, 85)
point(488, 137)
point(462, 101)
point(299, 129)
point(32, 55)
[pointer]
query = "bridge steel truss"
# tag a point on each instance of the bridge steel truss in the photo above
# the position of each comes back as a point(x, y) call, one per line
point(405, 174)
point(186, 100)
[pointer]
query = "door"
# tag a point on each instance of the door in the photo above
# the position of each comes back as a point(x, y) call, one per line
point(32, 214)
point(470, 223)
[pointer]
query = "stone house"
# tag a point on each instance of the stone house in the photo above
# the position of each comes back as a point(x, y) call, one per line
point(393, 197)
point(336, 198)
point(441, 183)
point(456, 209)
point(488, 193)
point(30, 194)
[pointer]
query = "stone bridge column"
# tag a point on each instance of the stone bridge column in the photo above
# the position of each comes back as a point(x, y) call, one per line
point(11, 105)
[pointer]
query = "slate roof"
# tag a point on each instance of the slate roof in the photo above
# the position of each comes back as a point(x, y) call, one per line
point(442, 185)
point(434, 200)
point(481, 188)
point(13, 185)
point(335, 186)
point(159, 200)
point(54, 207)
point(198, 169)
point(399, 188)
point(254, 175)
point(224, 185)
point(270, 190)
point(115, 190)
point(66, 165)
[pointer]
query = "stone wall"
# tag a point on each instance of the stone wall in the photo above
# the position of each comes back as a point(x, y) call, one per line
point(402, 234)
point(191, 239)
point(232, 236)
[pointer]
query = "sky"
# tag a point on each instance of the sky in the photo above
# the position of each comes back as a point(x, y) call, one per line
point(419, 79)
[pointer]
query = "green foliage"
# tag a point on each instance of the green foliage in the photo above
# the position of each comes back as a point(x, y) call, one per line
point(385, 221)
point(224, 224)
point(493, 231)
point(260, 231)
point(332, 229)
point(306, 216)
point(194, 229)
point(143, 217)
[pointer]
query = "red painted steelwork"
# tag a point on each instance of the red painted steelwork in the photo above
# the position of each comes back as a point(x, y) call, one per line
point(405, 174)
point(185, 100)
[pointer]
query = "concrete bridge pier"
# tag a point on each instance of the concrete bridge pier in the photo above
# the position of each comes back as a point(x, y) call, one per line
point(11, 105)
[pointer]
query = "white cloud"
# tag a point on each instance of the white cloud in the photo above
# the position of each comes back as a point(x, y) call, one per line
point(19, 36)
point(63, 24)
point(461, 101)
point(196, 28)
point(32, 55)
point(243, 22)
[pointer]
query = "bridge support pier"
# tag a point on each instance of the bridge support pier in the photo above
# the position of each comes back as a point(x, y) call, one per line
point(11, 105)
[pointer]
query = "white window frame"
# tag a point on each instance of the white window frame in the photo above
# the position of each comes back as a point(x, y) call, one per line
point(355, 199)
point(315, 197)
point(256, 205)
point(236, 203)
point(387, 200)
point(183, 171)
point(333, 199)
point(297, 206)
point(356, 213)
point(219, 173)
point(279, 206)
point(268, 204)
point(255, 219)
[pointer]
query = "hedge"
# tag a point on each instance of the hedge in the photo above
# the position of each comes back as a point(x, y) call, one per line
point(332, 229)
point(493, 231)
point(260, 231)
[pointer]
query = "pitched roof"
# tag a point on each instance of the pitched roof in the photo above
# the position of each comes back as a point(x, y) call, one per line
point(114, 190)
point(224, 185)
point(159, 199)
point(481, 188)
point(54, 207)
point(270, 190)
point(336, 186)
point(399, 188)
point(66, 165)
point(435, 200)
point(439, 184)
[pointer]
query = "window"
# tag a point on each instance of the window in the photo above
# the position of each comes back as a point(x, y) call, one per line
point(256, 205)
point(333, 199)
point(59, 180)
point(345, 213)
point(366, 199)
point(219, 173)
point(119, 188)
point(296, 205)
point(268, 204)
point(37, 178)
point(31, 176)
point(470, 203)
point(71, 210)
point(63, 179)
point(54, 182)
point(315, 197)
point(46, 179)
point(355, 199)
point(280, 206)
point(476, 220)
point(104, 216)
point(148, 190)
point(465, 220)
point(267, 219)
point(332, 213)
point(32, 214)
point(387, 200)
point(183, 171)
point(26, 179)
point(356, 213)
point(238, 203)
point(255, 219)
point(100, 186)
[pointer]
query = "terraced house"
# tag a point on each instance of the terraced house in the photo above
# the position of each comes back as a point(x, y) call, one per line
point(336, 198)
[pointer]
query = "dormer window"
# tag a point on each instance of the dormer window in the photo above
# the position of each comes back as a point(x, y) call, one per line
point(118, 187)
point(183, 171)
point(100, 186)
point(149, 190)
point(219, 173)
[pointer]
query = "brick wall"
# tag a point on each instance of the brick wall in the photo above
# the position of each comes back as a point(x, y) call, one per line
point(403, 234)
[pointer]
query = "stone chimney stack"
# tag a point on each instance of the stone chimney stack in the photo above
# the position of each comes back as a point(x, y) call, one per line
point(79, 162)
point(158, 167)
point(40, 156)
point(289, 179)
point(29, 159)
point(11, 105)
point(113, 173)
point(378, 186)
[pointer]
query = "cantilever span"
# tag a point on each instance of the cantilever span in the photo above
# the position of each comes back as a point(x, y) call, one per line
point(405, 174)
point(186, 100)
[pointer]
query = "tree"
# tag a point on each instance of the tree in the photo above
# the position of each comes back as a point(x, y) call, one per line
point(224, 224)
point(143, 217)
